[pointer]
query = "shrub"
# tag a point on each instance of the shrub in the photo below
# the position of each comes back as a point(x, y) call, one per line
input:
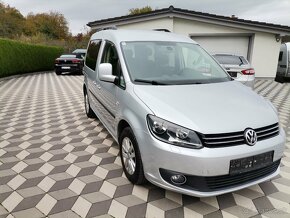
point(18, 58)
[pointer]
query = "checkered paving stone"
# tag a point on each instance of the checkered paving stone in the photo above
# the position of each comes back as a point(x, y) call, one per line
point(55, 162)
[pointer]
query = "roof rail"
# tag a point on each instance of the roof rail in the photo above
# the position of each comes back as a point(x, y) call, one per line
point(107, 28)
point(162, 30)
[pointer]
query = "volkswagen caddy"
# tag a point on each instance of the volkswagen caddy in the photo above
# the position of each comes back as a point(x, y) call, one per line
point(180, 120)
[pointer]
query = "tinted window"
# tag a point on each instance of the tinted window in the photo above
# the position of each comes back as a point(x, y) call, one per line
point(92, 54)
point(110, 55)
point(67, 56)
point(230, 59)
point(280, 55)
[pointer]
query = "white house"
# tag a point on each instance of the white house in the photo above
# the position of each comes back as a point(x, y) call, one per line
point(258, 41)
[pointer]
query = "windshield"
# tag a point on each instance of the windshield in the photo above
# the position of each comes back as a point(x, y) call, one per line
point(230, 59)
point(171, 63)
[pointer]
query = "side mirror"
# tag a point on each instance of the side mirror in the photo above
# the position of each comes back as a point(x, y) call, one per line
point(105, 73)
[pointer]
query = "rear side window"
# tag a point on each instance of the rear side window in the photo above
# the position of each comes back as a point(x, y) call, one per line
point(92, 54)
point(280, 55)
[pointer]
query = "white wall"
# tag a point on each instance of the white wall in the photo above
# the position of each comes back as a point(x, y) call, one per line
point(265, 54)
point(162, 23)
point(187, 27)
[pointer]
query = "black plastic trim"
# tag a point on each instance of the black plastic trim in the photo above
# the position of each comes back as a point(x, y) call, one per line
point(226, 139)
point(102, 105)
point(216, 183)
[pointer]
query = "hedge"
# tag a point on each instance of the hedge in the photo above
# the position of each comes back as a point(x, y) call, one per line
point(18, 58)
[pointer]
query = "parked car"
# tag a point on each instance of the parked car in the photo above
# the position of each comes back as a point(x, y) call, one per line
point(68, 63)
point(283, 69)
point(180, 120)
point(80, 52)
point(238, 68)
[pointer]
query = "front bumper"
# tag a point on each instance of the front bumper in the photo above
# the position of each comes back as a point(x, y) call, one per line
point(205, 162)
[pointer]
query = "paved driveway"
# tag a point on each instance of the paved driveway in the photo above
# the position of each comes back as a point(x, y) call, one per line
point(56, 162)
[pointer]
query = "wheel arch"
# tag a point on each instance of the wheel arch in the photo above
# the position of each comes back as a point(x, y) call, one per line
point(121, 126)
point(84, 89)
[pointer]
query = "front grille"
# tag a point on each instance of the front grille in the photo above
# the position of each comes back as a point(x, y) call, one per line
point(215, 183)
point(237, 138)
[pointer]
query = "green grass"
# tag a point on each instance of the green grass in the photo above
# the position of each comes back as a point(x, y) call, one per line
point(19, 58)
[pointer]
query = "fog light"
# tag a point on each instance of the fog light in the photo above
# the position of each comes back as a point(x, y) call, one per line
point(178, 179)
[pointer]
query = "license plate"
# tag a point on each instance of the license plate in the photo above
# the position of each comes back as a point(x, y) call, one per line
point(65, 67)
point(251, 163)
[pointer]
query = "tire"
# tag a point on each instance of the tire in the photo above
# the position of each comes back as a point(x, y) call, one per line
point(90, 113)
point(130, 153)
point(280, 79)
point(57, 72)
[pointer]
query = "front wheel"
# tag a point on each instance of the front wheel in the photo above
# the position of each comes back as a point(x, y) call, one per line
point(90, 113)
point(131, 158)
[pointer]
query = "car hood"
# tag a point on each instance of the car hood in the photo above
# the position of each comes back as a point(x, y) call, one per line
point(208, 108)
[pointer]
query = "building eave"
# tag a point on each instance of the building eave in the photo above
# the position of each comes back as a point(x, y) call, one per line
point(193, 15)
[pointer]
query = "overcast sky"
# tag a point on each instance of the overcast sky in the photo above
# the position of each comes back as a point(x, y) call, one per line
point(80, 12)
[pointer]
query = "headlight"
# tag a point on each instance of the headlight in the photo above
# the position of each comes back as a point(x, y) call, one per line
point(172, 133)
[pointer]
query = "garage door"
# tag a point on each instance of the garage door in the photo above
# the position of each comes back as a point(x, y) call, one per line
point(238, 45)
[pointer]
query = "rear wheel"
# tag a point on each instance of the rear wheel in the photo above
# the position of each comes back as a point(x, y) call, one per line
point(90, 113)
point(279, 79)
point(131, 158)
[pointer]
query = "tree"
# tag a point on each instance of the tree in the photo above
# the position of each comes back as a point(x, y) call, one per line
point(53, 24)
point(11, 21)
point(143, 10)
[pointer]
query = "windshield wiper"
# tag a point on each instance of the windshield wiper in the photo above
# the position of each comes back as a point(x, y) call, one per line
point(153, 82)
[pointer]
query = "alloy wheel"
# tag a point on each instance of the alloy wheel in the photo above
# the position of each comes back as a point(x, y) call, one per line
point(129, 156)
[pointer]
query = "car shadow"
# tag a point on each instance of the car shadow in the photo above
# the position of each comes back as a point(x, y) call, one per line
point(71, 74)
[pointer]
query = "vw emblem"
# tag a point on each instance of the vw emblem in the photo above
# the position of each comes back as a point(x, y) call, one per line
point(250, 137)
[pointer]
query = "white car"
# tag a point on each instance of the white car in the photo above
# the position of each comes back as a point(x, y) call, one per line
point(180, 120)
point(238, 67)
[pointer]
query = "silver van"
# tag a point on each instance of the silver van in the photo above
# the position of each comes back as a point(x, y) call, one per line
point(181, 121)
point(283, 68)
